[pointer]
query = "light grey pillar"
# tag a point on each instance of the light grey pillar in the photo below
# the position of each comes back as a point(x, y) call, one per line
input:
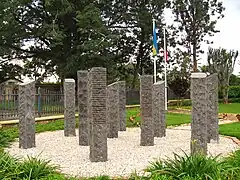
point(122, 105)
point(212, 109)
point(83, 108)
point(147, 131)
point(98, 139)
point(159, 109)
point(199, 113)
point(113, 110)
point(69, 107)
point(26, 113)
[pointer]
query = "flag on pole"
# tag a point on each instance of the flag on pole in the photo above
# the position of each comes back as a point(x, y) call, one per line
point(155, 45)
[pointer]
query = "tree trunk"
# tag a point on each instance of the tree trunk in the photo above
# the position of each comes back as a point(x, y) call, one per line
point(135, 75)
point(225, 94)
point(195, 68)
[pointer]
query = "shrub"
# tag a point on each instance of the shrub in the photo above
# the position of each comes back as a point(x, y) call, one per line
point(33, 168)
point(231, 100)
point(194, 167)
point(4, 139)
point(234, 92)
point(9, 168)
point(234, 161)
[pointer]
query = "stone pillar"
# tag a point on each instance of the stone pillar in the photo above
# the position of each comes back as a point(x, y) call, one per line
point(113, 110)
point(26, 113)
point(147, 132)
point(83, 108)
point(199, 113)
point(159, 109)
point(122, 105)
point(212, 109)
point(98, 136)
point(69, 108)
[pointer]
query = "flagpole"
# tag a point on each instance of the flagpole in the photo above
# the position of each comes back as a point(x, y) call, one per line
point(154, 59)
point(165, 58)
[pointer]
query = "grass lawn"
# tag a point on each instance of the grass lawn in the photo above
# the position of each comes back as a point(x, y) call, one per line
point(223, 108)
point(173, 119)
point(232, 129)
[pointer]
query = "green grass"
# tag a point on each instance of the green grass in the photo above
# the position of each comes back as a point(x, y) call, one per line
point(232, 129)
point(223, 108)
point(173, 119)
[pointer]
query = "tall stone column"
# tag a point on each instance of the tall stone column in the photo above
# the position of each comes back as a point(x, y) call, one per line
point(69, 108)
point(159, 109)
point(122, 105)
point(98, 139)
point(212, 109)
point(147, 131)
point(26, 113)
point(199, 113)
point(83, 108)
point(113, 110)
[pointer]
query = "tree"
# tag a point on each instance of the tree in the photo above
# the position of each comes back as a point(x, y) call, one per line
point(132, 21)
point(196, 20)
point(222, 62)
point(9, 71)
point(58, 36)
point(234, 80)
point(179, 76)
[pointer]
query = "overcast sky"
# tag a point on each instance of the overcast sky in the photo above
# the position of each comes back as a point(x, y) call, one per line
point(229, 26)
point(229, 35)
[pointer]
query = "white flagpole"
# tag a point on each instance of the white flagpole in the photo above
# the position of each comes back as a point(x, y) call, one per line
point(165, 59)
point(154, 59)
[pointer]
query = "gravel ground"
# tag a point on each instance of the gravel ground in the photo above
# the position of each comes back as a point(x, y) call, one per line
point(125, 155)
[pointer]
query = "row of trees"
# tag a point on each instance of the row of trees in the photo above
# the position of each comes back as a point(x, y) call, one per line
point(219, 60)
point(63, 36)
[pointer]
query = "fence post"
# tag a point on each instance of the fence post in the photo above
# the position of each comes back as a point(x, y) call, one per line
point(39, 102)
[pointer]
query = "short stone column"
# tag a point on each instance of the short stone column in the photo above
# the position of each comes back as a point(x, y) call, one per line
point(26, 113)
point(212, 109)
point(147, 131)
point(69, 108)
point(159, 109)
point(113, 110)
point(122, 105)
point(83, 108)
point(98, 136)
point(199, 113)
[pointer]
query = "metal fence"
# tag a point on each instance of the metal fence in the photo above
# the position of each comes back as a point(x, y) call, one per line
point(47, 102)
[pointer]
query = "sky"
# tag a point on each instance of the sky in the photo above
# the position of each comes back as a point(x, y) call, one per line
point(229, 36)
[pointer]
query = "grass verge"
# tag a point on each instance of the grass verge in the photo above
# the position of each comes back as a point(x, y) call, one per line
point(232, 129)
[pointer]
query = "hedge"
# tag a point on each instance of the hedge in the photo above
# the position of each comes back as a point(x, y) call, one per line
point(234, 92)
point(188, 102)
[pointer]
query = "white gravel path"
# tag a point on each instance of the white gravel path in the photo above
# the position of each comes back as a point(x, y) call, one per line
point(125, 155)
